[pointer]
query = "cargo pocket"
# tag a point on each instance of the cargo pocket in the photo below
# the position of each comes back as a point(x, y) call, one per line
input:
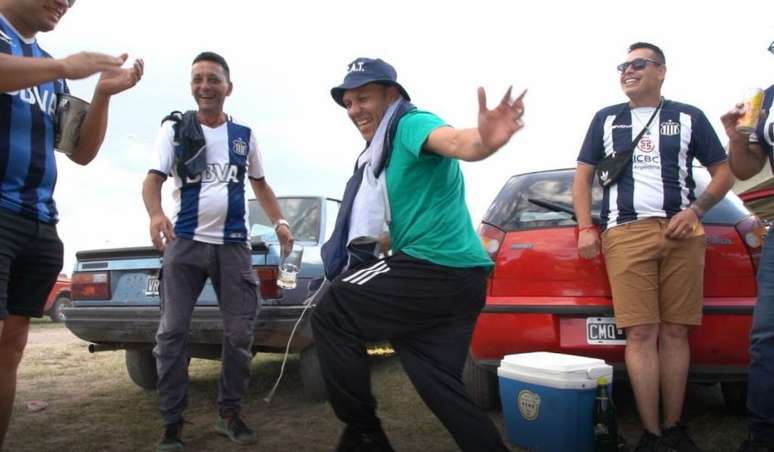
point(250, 292)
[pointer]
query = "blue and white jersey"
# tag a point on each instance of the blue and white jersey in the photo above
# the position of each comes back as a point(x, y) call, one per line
point(27, 163)
point(659, 183)
point(764, 133)
point(212, 208)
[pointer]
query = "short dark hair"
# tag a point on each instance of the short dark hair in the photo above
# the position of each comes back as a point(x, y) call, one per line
point(652, 47)
point(215, 58)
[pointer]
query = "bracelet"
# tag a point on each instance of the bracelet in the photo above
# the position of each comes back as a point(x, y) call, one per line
point(587, 228)
point(699, 214)
point(281, 222)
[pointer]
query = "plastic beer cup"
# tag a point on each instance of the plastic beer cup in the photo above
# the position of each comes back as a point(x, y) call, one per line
point(752, 110)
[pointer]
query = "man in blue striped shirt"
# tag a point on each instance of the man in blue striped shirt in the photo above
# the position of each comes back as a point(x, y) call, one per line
point(653, 244)
point(207, 236)
point(30, 250)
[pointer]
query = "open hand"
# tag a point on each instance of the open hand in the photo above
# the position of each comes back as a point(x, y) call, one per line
point(116, 80)
point(84, 64)
point(161, 231)
point(497, 126)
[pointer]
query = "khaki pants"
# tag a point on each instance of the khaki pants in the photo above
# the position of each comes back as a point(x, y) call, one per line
point(654, 278)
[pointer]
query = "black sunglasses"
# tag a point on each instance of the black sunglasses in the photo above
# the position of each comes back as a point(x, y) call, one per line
point(70, 3)
point(637, 64)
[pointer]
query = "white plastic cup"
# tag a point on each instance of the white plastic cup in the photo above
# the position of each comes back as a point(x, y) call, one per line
point(288, 269)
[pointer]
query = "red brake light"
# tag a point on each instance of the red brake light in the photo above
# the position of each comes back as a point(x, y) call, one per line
point(268, 282)
point(492, 239)
point(753, 233)
point(90, 286)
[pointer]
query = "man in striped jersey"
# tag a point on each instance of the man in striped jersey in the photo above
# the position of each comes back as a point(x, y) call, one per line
point(653, 242)
point(426, 296)
point(207, 237)
point(30, 249)
point(747, 155)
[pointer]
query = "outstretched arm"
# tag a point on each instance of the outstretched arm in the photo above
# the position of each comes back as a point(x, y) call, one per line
point(495, 128)
point(25, 72)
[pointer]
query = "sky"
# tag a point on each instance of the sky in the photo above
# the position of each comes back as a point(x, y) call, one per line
point(285, 57)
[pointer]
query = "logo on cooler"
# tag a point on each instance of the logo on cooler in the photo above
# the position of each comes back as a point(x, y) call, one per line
point(528, 403)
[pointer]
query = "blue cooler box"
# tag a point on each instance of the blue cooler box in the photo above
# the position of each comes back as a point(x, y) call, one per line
point(548, 400)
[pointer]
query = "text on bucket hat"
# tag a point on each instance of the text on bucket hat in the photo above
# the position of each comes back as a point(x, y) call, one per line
point(363, 71)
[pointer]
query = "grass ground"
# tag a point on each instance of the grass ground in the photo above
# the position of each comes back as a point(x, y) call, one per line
point(93, 406)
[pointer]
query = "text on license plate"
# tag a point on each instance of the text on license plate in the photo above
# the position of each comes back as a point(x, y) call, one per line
point(602, 331)
point(152, 286)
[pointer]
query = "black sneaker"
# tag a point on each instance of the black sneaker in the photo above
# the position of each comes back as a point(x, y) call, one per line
point(676, 439)
point(236, 430)
point(359, 441)
point(647, 443)
point(750, 445)
point(171, 441)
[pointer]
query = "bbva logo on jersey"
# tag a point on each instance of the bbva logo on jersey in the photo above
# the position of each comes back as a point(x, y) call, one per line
point(215, 172)
point(669, 128)
point(32, 96)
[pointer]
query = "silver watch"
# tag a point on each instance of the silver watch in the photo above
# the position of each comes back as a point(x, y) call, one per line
point(281, 222)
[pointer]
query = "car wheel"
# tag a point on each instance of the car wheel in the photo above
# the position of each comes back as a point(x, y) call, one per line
point(735, 396)
point(56, 313)
point(141, 366)
point(480, 384)
point(311, 376)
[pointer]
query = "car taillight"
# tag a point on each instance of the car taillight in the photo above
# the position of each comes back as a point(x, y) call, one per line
point(90, 286)
point(268, 282)
point(753, 233)
point(492, 238)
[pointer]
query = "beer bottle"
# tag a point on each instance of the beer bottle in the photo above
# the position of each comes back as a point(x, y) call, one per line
point(605, 428)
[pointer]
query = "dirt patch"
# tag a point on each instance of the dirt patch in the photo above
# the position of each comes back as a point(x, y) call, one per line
point(93, 406)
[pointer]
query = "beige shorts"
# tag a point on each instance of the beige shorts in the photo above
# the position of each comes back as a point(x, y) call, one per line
point(653, 278)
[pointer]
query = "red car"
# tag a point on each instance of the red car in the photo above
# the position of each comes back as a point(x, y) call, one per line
point(543, 297)
point(58, 299)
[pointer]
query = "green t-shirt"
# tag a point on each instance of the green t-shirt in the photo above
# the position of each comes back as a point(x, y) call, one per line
point(430, 219)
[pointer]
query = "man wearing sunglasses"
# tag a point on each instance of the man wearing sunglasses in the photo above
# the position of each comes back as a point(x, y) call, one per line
point(30, 250)
point(653, 243)
point(747, 155)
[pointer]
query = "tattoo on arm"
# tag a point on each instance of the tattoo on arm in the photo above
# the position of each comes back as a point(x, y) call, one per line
point(706, 201)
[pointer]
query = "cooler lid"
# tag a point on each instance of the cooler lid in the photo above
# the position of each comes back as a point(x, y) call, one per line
point(558, 364)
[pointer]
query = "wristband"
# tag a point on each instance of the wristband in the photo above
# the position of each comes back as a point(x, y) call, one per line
point(281, 222)
point(587, 228)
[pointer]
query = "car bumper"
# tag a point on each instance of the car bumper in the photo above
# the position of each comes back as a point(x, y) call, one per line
point(719, 347)
point(127, 327)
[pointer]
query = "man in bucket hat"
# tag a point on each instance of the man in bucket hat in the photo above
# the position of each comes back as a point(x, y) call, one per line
point(425, 296)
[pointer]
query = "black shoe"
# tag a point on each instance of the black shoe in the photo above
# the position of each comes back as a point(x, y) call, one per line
point(647, 443)
point(364, 441)
point(171, 441)
point(236, 430)
point(676, 439)
point(750, 445)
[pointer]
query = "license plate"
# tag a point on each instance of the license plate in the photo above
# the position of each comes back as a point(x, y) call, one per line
point(152, 286)
point(602, 331)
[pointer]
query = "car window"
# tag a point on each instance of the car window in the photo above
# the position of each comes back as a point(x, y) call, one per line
point(544, 199)
point(331, 212)
point(303, 215)
point(537, 200)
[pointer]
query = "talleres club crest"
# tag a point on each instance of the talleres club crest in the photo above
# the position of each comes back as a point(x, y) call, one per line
point(240, 147)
